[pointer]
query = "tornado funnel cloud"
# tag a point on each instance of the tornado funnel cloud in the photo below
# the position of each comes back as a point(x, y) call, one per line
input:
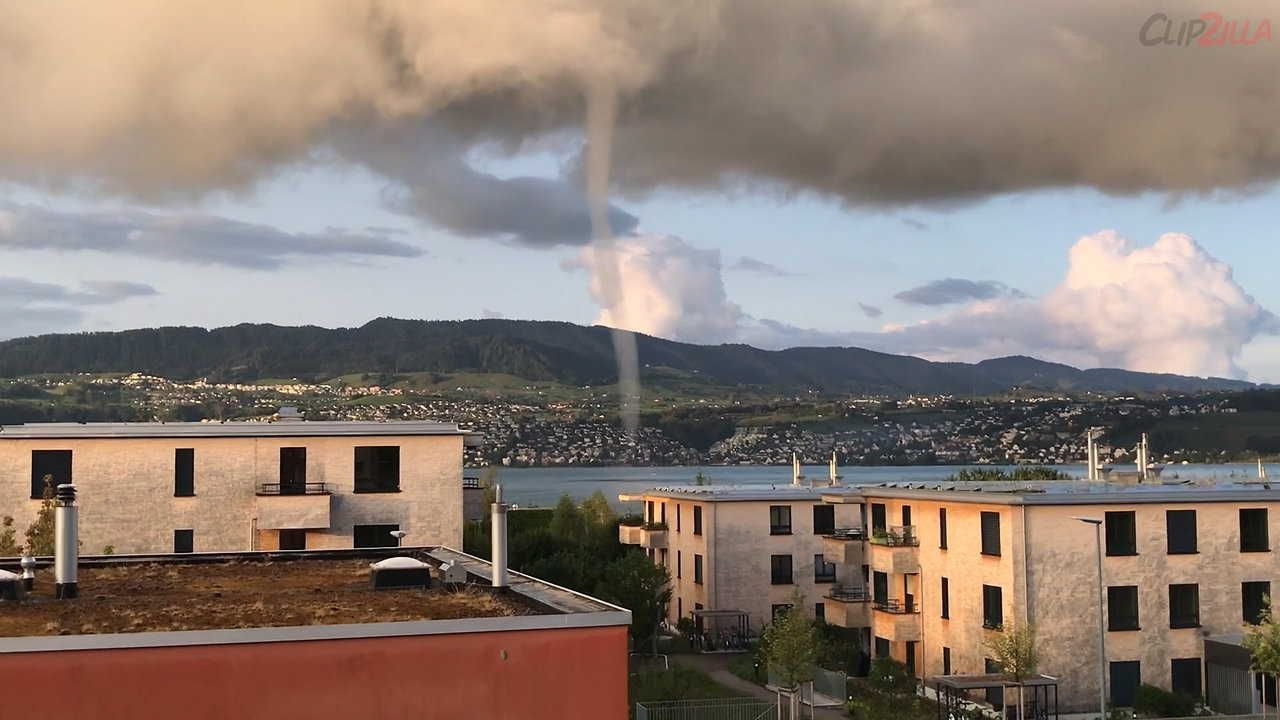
point(602, 109)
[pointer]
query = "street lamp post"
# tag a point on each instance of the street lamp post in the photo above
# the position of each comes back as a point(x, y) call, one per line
point(1102, 627)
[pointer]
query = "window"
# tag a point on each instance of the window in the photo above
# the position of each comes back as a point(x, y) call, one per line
point(1253, 530)
point(293, 539)
point(1185, 676)
point(779, 519)
point(1122, 533)
point(878, 521)
point(824, 519)
point(378, 469)
point(1180, 526)
point(911, 659)
point(664, 513)
point(677, 517)
point(649, 512)
point(697, 519)
point(990, 533)
point(1126, 676)
point(184, 541)
point(54, 464)
point(778, 609)
point(823, 571)
point(293, 470)
point(820, 611)
point(780, 569)
point(1253, 598)
point(942, 528)
point(992, 607)
point(906, 516)
point(697, 569)
point(946, 599)
point(946, 661)
point(1122, 607)
point(679, 563)
point(879, 587)
point(184, 472)
point(1184, 606)
point(995, 695)
point(882, 647)
point(373, 536)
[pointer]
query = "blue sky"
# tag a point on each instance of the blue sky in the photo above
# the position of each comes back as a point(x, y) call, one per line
point(830, 259)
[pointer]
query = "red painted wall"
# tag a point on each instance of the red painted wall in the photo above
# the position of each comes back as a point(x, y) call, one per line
point(562, 673)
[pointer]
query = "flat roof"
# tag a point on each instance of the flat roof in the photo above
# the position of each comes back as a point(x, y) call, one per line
point(304, 589)
point(1062, 492)
point(279, 428)
point(730, 493)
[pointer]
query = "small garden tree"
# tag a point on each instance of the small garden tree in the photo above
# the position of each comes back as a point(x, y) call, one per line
point(40, 533)
point(1014, 651)
point(791, 646)
point(637, 584)
point(1263, 643)
point(9, 546)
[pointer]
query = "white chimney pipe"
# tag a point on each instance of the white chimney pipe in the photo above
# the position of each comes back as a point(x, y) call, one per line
point(499, 532)
point(66, 543)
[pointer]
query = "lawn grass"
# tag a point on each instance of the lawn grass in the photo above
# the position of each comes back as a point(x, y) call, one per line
point(677, 683)
point(744, 667)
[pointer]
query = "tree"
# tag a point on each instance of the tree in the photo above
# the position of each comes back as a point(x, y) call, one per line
point(1015, 654)
point(701, 479)
point(597, 512)
point(40, 533)
point(1263, 643)
point(9, 546)
point(637, 584)
point(791, 645)
point(566, 521)
point(489, 481)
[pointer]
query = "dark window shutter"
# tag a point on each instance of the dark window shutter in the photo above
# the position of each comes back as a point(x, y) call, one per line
point(1181, 528)
point(55, 463)
point(990, 533)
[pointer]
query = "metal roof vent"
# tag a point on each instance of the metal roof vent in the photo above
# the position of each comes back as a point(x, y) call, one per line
point(451, 573)
point(400, 572)
point(10, 586)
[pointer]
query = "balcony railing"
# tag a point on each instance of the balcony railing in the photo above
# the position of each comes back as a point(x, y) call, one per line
point(849, 594)
point(471, 483)
point(854, 533)
point(896, 607)
point(292, 489)
point(895, 535)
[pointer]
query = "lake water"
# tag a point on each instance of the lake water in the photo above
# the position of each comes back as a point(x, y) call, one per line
point(530, 487)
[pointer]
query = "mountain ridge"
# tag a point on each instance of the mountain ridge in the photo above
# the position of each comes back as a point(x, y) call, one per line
point(541, 351)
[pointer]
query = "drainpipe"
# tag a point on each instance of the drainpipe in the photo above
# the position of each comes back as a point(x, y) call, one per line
point(66, 543)
point(499, 538)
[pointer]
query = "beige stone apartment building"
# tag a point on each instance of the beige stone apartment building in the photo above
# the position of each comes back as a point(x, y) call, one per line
point(951, 563)
point(736, 553)
point(219, 487)
point(928, 572)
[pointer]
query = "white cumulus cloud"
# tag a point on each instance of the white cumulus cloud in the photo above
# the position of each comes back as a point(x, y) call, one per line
point(670, 288)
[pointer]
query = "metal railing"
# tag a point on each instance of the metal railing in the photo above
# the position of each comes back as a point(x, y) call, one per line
point(471, 483)
point(292, 489)
point(849, 594)
point(719, 709)
point(852, 533)
point(897, 607)
point(895, 535)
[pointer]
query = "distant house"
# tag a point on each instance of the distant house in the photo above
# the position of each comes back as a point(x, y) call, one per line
point(219, 487)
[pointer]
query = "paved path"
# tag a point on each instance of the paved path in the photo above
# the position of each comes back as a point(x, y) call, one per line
point(717, 666)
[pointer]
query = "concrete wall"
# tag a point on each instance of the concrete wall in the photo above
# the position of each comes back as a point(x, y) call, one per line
point(471, 675)
point(736, 547)
point(1063, 588)
point(126, 489)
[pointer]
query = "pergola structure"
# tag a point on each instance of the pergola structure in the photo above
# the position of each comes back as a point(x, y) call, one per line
point(1040, 693)
point(722, 629)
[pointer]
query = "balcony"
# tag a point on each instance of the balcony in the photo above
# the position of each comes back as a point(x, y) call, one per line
point(895, 550)
point(896, 620)
point(847, 606)
point(843, 546)
point(293, 506)
point(653, 536)
point(630, 530)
